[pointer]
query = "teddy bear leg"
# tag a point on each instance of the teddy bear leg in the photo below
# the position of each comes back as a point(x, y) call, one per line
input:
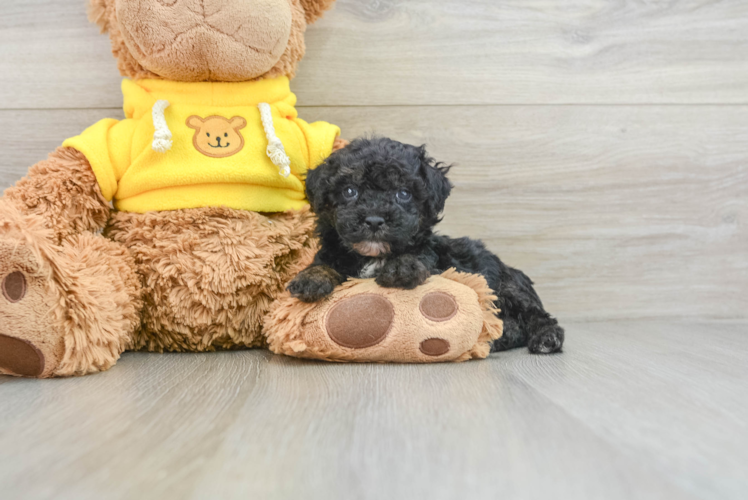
point(211, 274)
point(66, 309)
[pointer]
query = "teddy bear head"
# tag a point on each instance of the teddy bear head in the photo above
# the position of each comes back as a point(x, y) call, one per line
point(207, 40)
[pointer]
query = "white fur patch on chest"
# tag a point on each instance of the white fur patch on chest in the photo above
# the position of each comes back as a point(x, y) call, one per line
point(371, 268)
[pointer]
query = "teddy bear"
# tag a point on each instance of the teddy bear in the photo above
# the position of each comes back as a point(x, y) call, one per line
point(179, 227)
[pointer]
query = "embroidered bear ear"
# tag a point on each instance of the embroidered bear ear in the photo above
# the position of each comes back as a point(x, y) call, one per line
point(238, 123)
point(98, 13)
point(195, 122)
point(315, 8)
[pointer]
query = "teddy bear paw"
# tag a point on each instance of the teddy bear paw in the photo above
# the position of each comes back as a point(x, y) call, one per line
point(366, 320)
point(441, 320)
point(30, 346)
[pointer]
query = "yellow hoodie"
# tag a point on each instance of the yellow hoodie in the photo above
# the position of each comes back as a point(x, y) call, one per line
point(189, 145)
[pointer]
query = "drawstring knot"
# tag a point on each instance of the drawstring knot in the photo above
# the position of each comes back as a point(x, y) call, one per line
point(275, 150)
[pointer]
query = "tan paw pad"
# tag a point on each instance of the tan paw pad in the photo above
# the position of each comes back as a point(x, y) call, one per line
point(448, 318)
point(451, 317)
point(438, 321)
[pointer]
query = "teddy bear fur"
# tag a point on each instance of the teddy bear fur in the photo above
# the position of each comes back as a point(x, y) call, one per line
point(101, 281)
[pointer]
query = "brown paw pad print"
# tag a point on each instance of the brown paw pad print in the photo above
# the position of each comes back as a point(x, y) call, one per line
point(14, 286)
point(365, 320)
point(438, 307)
point(435, 347)
point(361, 321)
point(20, 357)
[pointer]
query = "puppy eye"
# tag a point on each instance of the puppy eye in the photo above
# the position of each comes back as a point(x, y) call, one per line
point(350, 193)
point(404, 196)
point(226, 134)
point(208, 134)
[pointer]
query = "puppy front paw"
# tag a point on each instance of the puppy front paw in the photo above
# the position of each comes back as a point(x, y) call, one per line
point(403, 272)
point(314, 284)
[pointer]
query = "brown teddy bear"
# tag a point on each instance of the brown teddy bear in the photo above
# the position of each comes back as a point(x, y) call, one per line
point(179, 226)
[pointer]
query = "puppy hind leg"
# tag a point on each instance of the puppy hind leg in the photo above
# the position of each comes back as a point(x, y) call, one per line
point(526, 322)
point(513, 336)
point(539, 332)
point(544, 335)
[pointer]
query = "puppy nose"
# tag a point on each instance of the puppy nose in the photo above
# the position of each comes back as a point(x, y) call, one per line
point(374, 222)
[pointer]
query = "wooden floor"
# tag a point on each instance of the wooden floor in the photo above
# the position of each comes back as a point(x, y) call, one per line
point(632, 410)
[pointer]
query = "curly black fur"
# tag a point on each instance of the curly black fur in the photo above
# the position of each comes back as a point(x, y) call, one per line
point(383, 198)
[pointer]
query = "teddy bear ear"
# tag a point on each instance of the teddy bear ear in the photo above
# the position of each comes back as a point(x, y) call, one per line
point(238, 122)
point(315, 8)
point(195, 122)
point(98, 14)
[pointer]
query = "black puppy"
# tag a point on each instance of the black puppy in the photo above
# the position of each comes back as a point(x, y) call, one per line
point(377, 202)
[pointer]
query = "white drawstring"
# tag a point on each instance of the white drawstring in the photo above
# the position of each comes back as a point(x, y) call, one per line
point(162, 134)
point(275, 150)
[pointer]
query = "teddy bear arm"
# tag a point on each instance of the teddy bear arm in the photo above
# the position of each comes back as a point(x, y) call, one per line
point(64, 192)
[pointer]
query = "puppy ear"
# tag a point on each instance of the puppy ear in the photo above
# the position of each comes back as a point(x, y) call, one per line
point(437, 185)
point(316, 183)
point(313, 9)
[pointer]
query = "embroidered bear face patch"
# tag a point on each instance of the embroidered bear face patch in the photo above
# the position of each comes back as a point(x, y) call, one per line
point(216, 136)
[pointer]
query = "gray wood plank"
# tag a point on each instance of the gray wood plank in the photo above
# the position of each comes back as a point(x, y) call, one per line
point(83, 433)
point(32, 135)
point(612, 417)
point(613, 211)
point(671, 395)
point(440, 432)
point(432, 52)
